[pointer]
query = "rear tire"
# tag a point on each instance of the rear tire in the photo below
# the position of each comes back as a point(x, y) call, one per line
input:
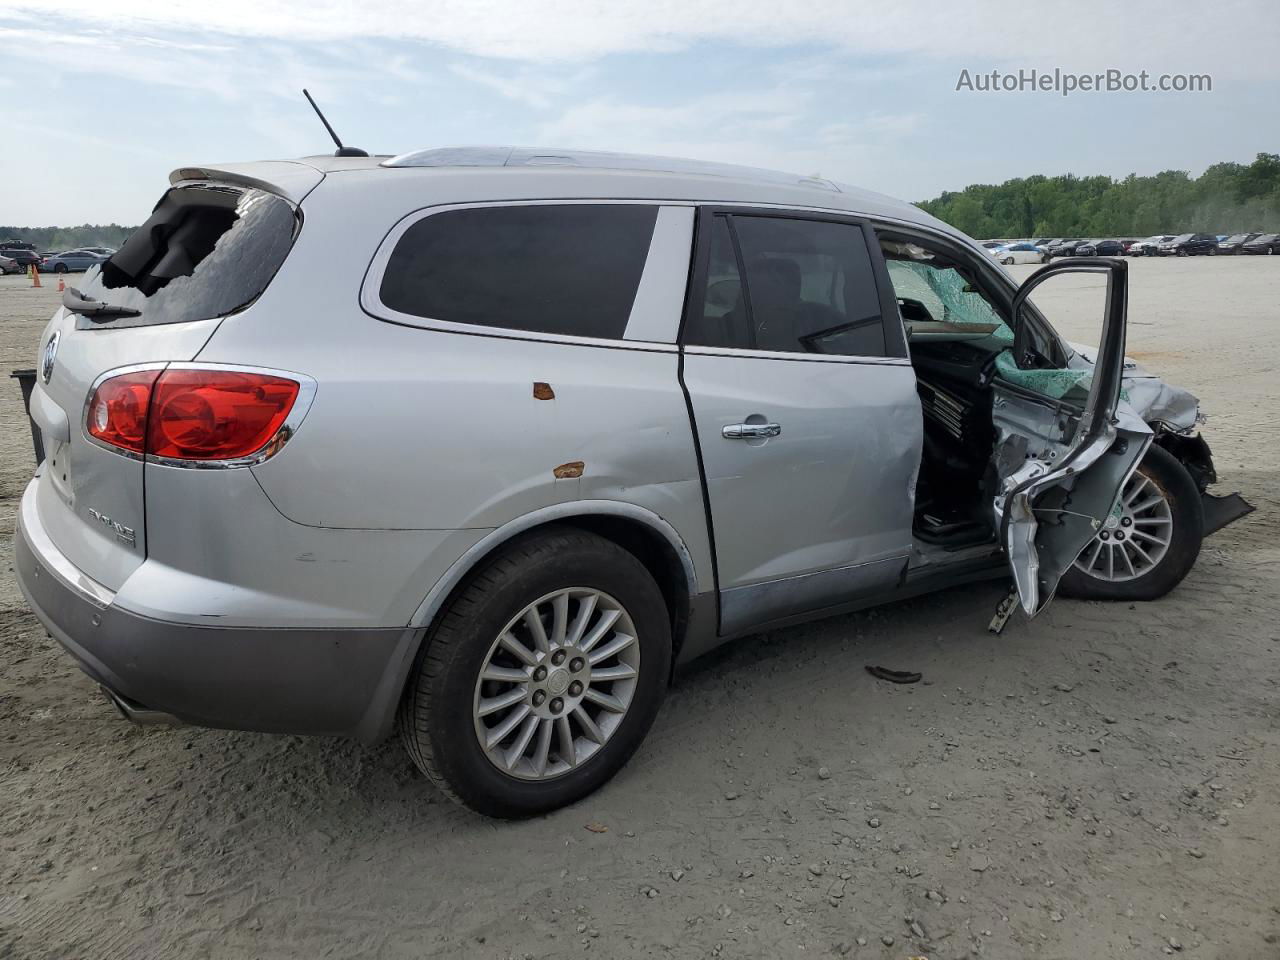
point(1168, 478)
point(442, 716)
point(60, 268)
point(1007, 261)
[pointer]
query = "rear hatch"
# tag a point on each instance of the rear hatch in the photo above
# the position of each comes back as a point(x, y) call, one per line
point(209, 249)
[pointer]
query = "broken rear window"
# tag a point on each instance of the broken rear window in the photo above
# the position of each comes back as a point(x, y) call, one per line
point(207, 250)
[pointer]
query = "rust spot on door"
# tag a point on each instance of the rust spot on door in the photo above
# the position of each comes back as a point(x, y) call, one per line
point(569, 471)
point(543, 391)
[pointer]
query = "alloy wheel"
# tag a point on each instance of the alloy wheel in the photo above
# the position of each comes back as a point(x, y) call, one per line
point(1134, 538)
point(556, 683)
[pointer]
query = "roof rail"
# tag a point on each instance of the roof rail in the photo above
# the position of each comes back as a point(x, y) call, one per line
point(500, 156)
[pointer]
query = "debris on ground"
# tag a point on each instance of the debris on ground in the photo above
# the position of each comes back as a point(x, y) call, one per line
point(894, 676)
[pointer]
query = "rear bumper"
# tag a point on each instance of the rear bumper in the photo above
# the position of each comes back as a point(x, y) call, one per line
point(336, 681)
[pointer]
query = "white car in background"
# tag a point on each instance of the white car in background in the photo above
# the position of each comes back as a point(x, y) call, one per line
point(1011, 253)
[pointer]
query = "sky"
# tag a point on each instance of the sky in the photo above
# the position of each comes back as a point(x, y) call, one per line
point(102, 98)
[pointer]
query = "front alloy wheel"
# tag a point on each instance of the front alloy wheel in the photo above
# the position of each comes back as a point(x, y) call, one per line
point(556, 684)
point(1135, 538)
point(1149, 542)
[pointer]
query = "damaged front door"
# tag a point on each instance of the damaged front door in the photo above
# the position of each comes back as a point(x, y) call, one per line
point(1061, 461)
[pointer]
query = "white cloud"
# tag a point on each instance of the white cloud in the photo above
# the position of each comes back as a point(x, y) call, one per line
point(1229, 36)
point(533, 87)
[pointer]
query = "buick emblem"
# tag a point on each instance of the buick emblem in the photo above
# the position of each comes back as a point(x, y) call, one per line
point(50, 353)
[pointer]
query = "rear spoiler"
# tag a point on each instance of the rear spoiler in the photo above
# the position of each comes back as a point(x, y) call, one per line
point(291, 179)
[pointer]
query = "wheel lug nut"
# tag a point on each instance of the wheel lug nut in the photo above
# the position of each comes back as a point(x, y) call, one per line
point(540, 674)
point(1119, 534)
point(576, 664)
point(1126, 522)
point(557, 705)
point(1104, 535)
point(558, 657)
point(539, 697)
point(575, 688)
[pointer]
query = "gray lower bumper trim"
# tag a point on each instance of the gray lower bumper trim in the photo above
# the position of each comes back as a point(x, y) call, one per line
point(137, 713)
point(1220, 511)
point(273, 680)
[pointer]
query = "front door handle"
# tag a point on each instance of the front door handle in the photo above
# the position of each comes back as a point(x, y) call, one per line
point(751, 431)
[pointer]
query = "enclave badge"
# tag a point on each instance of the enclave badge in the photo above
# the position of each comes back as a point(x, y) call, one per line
point(123, 534)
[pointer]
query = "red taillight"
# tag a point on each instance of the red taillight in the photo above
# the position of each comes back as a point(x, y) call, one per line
point(191, 414)
point(118, 410)
point(216, 415)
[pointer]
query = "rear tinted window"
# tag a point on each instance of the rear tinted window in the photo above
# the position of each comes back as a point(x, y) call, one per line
point(556, 268)
point(205, 251)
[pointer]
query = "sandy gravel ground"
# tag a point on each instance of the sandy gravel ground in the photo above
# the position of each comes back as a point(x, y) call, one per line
point(1101, 782)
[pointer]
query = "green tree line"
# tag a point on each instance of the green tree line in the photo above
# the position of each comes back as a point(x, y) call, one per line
point(1226, 198)
point(57, 239)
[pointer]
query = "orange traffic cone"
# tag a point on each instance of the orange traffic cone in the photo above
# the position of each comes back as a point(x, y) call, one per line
point(35, 275)
point(62, 284)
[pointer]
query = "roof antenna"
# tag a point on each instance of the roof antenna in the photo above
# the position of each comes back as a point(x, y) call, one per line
point(341, 151)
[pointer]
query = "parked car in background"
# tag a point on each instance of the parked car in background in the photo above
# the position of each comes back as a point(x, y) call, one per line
point(73, 261)
point(1190, 245)
point(1011, 253)
point(1065, 248)
point(24, 255)
point(659, 439)
point(1233, 243)
point(9, 265)
point(1265, 243)
point(1150, 247)
point(1100, 248)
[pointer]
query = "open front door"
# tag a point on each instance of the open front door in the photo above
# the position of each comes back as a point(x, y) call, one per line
point(1060, 466)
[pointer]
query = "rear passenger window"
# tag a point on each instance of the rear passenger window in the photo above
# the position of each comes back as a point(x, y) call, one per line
point(563, 269)
point(809, 288)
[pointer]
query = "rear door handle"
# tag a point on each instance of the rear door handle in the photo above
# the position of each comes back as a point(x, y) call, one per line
point(750, 431)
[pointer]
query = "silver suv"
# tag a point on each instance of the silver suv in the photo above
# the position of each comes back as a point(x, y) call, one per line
point(570, 420)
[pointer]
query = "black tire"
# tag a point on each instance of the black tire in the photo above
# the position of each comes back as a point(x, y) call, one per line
point(435, 717)
point(60, 268)
point(1162, 469)
point(1213, 251)
point(1007, 261)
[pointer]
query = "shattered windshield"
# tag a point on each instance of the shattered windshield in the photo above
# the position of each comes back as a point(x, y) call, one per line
point(950, 303)
point(939, 303)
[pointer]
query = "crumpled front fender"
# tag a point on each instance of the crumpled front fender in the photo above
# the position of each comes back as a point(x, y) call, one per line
point(1160, 404)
